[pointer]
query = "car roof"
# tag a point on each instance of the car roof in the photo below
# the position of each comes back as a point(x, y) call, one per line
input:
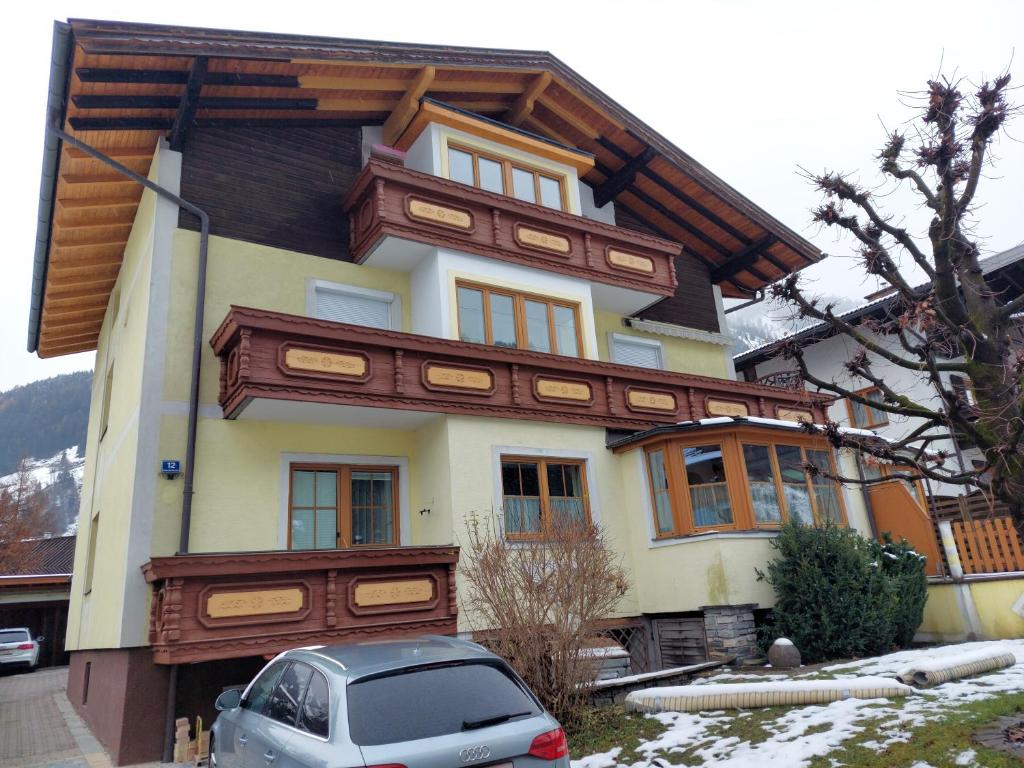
point(14, 629)
point(354, 660)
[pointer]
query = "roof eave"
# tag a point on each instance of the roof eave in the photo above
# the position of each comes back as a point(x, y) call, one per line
point(56, 100)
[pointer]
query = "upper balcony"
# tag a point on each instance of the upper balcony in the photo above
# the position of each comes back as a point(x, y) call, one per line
point(283, 367)
point(396, 214)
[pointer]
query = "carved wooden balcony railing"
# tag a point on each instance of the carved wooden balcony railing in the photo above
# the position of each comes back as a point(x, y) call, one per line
point(226, 605)
point(784, 379)
point(272, 355)
point(388, 199)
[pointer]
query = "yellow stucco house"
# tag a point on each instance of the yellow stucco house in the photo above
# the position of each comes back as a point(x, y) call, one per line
point(344, 294)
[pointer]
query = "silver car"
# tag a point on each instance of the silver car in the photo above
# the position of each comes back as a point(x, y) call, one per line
point(430, 702)
point(18, 648)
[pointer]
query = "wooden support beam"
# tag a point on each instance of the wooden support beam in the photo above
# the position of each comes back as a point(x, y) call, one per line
point(742, 260)
point(106, 222)
point(96, 178)
point(180, 77)
point(673, 190)
point(408, 105)
point(121, 101)
point(189, 104)
point(85, 203)
point(622, 178)
point(523, 106)
point(570, 118)
point(164, 123)
point(118, 153)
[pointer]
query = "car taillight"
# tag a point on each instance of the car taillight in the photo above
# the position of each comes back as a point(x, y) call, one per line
point(26, 647)
point(550, 746)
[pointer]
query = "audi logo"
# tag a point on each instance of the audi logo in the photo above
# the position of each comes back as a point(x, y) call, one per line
point(472, 754)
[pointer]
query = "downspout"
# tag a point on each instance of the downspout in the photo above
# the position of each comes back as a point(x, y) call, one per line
point(53, 129)
point(197, 330)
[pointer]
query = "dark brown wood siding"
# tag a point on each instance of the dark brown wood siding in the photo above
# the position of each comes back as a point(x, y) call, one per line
point(694, 302)
point(274, 186)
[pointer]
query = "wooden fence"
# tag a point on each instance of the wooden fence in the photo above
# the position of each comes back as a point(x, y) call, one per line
point(986, 540)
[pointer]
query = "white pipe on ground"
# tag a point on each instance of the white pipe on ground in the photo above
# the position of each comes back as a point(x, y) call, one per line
point(772, 693)
point(928, 674)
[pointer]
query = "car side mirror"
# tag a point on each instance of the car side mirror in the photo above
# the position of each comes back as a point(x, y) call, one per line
point(40, 639)
point(228, 700)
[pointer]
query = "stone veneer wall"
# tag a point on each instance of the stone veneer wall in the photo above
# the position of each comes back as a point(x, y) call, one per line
point(730, 631)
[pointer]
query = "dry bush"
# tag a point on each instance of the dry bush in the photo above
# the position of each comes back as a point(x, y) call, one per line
point(539, 604)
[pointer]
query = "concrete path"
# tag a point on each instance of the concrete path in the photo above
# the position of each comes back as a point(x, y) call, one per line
point(39, 727)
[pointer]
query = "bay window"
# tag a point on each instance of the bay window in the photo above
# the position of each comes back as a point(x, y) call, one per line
point(740, 481)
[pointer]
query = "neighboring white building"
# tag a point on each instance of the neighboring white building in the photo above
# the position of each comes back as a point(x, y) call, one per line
point(826, 353)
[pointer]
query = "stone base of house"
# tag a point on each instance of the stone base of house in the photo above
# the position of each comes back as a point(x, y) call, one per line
point(121, 694)
point(730, 631)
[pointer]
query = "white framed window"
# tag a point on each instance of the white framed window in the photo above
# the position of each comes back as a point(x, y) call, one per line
point(352, 304)
point(633, 350)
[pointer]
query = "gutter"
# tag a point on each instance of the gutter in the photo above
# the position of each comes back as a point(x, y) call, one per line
point(57, 134)
point(197, 328)
point(60, 72)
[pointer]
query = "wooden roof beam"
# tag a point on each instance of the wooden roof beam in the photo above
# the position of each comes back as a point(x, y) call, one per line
point(743, 259)
point(180, 77)
point(183, 120)
point(523, 106)
point(622, 178)
point(408, 105)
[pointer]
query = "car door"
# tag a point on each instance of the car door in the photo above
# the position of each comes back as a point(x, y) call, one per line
point(267, 745)
point(236, 727)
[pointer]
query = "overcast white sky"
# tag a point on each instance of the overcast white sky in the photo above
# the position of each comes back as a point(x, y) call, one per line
point(753, 90)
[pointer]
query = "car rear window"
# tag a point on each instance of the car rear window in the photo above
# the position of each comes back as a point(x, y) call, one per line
point(432, 701)
point(13, 635)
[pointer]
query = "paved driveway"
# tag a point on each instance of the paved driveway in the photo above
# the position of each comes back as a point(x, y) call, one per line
point(39, 728)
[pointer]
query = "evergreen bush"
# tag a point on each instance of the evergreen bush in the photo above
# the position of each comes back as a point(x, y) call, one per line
point(839, 595)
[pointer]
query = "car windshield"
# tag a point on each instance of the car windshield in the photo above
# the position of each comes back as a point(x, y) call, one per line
point(13, 635)
point(434, 701)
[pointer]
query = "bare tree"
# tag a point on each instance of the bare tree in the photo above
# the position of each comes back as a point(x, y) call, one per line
point(24, 513)
point(955, 323)
point(539, 603)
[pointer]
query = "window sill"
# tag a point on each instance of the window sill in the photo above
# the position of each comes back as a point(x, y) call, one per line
point(669, 541)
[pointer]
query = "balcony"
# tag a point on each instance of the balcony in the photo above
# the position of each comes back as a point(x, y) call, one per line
point(227, 605)
point(274, 364)
point(416, 209)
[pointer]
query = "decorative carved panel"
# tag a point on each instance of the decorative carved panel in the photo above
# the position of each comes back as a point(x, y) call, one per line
point(717, 407)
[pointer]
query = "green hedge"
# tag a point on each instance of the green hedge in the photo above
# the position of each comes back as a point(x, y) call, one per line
point(839, 595)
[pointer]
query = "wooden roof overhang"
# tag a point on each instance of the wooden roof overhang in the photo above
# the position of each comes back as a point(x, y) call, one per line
point(120, 87)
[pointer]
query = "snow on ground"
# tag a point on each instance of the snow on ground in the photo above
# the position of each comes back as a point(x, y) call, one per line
point(799, 734)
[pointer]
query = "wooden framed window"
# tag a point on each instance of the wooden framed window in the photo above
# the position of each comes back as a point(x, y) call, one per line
point(506, 177)
point(739, 480)
point(334, 506)
point(512, 319)
point(864, 416)
point(536, 491)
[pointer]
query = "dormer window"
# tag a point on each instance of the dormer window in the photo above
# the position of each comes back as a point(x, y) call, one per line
point(498, 174)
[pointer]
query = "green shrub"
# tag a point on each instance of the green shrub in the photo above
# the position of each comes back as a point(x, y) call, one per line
point(839, 595)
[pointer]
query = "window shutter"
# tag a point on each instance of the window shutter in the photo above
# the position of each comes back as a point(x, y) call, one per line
point(353, 308)
point(638, 354)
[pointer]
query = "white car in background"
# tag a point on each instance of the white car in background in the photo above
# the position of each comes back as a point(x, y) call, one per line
point(19, 648)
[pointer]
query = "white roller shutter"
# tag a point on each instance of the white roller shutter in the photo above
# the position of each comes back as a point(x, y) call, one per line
point(354, 308)
point(642, 354)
